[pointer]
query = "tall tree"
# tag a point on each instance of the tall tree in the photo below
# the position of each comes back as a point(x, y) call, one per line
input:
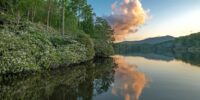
point(102, 29)
point(87, 23)
point(48, 13)
point(63, 17)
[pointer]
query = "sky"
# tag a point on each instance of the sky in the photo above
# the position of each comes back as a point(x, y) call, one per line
point(166, 17)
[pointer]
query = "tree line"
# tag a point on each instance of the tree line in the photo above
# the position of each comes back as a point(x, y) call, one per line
point(64, 15)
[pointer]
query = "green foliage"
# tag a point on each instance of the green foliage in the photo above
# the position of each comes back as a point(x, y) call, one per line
point(103, 48)
point(30, 37)
point(78, 14)
point(102, 29)
point(89, 44)
point(16, 55)
point(87, 24)
point(189, 43)
point(102, 38)
point(31, 49)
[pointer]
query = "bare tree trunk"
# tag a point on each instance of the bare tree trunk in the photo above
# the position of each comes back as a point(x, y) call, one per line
point(18, 17)
point(33, 14)
point(28, 15)
point(31, 18)
point(59, 21)
point(63, 17)
point(48, 15)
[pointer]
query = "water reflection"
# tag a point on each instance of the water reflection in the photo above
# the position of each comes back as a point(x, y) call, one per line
point(111, 79)
point(187, 57)
point(129, 81)
point(75, 83)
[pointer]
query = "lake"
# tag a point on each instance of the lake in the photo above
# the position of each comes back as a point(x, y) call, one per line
point(127, 77)
point(139, 78)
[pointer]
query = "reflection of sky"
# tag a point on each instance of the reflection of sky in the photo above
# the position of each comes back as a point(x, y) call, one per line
point(168, 80)
point(169, 17)
point(129, 82)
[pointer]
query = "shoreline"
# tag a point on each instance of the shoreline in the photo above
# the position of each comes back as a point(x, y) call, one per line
point(30, 47)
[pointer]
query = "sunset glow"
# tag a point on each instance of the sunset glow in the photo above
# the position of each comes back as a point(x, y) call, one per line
point(131, 80)
point(165, 17)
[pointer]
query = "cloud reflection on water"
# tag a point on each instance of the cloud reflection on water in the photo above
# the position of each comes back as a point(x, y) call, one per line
point(129, 81)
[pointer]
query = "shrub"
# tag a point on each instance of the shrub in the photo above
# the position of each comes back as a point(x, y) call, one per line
point(103, 48)
point(32, 49)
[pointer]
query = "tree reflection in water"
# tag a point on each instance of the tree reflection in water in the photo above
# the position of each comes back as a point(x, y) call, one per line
point(129, 82)
point(79, 82)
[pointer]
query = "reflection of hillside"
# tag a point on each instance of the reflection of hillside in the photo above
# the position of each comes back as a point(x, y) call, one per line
point(187, 57)
point(154, 56)
point(130, 82)
point(186, 49)
point(63, 84)
point(191, 58)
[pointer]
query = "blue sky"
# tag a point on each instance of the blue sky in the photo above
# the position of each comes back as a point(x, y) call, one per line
point(169, 17)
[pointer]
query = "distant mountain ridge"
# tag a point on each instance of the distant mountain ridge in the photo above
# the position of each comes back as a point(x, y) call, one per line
point(183, 44)
point(153, 40)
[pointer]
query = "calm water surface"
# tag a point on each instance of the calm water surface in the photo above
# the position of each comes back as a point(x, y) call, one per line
point(139, 78)
point(130, 77)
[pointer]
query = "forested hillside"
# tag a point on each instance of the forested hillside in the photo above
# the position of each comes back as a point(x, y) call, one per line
point(190, 43)
point(44, 34)
point(154, 40)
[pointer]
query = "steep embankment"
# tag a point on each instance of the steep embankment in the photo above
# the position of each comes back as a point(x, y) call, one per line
point(27, 46)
